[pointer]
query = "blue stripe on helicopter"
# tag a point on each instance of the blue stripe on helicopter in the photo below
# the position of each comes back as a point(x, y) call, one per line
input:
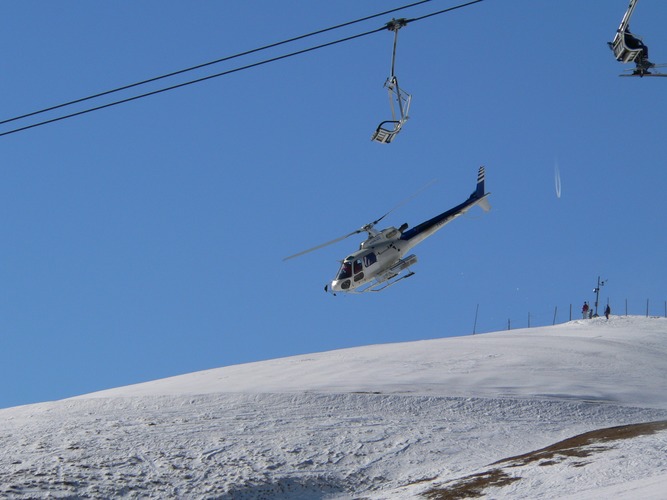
point(438, 219)
point(444, 217)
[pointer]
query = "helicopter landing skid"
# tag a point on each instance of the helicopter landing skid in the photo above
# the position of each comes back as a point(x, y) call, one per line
point(388, 283)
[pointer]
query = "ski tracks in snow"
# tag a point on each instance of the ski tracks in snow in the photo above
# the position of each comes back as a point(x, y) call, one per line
point(245, 446)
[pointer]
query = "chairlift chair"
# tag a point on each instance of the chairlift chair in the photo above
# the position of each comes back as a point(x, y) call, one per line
point(622, 52)
point(399, 100)
point(628, 47)
point(619, 45)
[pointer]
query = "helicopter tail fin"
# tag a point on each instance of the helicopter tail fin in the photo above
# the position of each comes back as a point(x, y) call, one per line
point(479, 193)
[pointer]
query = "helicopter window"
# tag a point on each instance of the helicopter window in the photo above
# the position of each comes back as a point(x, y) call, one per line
point(345, 271)
point(357, 266)
point(370, 259)
point(359, 277)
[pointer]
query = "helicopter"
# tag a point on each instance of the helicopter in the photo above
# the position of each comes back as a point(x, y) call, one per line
point(380, 263)
point(628, 47)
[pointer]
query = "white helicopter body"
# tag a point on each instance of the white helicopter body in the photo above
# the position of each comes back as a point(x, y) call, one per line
point(382, 258)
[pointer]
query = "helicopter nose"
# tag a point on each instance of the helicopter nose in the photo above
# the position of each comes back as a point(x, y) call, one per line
point(337, 286)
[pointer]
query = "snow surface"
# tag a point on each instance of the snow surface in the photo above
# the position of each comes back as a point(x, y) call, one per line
point(502, 415)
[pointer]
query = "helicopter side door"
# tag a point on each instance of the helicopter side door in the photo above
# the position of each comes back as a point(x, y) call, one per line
point(361, 263)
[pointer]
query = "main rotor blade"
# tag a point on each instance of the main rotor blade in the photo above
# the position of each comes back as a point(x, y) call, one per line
point(406, 200)
point(367, 227)
point(323, 245)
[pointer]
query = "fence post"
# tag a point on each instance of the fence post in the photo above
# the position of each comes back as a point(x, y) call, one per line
point(570, 312)
point(647, 308)
point(555, 311)
point(474, 327)
point(508, 324)
point(626, 307)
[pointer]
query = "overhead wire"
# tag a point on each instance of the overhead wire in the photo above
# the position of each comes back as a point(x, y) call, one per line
point(191, 82)
point(217, 75)
point(209, 63)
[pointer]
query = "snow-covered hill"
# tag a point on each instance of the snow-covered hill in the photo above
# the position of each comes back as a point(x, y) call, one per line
point(576, 410)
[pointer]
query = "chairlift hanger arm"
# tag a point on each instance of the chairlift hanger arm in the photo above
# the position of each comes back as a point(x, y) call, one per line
point(625, 22)
point(395, 25)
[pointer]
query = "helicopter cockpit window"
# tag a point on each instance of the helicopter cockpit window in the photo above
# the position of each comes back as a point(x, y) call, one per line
point(345, 271)
point(357, 266)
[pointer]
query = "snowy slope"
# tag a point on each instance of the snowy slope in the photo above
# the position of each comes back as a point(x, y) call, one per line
point(504, 414)
point(584, 360)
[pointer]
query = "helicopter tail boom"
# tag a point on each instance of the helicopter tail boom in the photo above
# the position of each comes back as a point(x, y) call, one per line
point(427, 228)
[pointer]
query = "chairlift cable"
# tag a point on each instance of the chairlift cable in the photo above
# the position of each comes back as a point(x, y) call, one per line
point(216, 75)
point(210, 63)
point(191, 82)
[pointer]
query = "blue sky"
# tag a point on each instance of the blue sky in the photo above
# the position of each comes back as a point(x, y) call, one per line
point(146, 240)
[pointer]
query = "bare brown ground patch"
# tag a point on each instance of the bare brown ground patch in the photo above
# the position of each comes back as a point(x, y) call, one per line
point(581, 446)
point(472, 486)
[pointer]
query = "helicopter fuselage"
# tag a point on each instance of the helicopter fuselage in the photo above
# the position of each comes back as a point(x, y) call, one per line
point(381, 258)
point(373, 262)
